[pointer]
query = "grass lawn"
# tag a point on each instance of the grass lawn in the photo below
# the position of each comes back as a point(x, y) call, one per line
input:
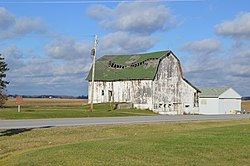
point(63, 108)
point(190, 143)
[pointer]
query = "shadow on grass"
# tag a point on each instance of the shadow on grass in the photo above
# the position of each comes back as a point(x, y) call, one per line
point(11, 132)
point(30, 111)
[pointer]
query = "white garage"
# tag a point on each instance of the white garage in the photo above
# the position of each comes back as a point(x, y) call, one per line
point(219, 101)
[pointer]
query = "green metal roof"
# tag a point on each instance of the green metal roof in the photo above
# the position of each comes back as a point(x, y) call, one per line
point(212, 92)
point(127, 67)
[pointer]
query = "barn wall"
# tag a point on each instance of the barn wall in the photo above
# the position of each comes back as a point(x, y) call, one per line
point(99, 89)
point(139, 92)
point(170, 92)
point(190, 99)
point(209, 106)
point(227, 106)
point(167, 84)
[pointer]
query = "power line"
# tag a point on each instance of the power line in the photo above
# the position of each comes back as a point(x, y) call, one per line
point(93, 2)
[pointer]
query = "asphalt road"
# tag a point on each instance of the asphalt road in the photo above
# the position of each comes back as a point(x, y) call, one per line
point(39, 123)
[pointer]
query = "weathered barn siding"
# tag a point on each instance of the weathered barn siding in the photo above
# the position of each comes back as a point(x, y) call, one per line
point(139, 92)
point(190, 98)
point(172, 94)
point(167, 82)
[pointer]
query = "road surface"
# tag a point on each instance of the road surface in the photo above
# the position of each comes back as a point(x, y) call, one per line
point(39, 123)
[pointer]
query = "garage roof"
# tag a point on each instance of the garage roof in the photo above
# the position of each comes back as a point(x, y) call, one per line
point(212, 92)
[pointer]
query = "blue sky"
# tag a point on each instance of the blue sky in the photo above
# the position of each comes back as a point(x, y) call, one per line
point(47, 43)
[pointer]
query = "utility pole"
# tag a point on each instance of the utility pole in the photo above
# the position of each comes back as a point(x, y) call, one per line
point(93, 53)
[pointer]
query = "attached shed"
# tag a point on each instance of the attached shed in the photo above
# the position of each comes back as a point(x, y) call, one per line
point(219, 101)
point(150, 81)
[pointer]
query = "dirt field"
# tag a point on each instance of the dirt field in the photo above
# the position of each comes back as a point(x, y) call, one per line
point(245, 105)
point(47, 102)
point(75, 102)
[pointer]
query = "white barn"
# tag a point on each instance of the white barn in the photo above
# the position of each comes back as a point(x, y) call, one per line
point(150, 81)
point(219, 101)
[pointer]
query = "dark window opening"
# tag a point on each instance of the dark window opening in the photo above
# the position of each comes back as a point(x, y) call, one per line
point(196, 100)
point(160, 105)
point(110, 95)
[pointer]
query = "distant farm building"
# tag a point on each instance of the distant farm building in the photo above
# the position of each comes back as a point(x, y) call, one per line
point(150, 81)
point(219, 101)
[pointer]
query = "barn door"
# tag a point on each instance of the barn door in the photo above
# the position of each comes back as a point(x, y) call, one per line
point(110, 95)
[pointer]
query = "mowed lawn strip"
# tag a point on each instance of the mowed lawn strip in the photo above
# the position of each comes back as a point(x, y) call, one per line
point(189, 143)
point(63, 108)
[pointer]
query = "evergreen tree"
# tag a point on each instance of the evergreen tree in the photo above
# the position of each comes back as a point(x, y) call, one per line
point(3, 83)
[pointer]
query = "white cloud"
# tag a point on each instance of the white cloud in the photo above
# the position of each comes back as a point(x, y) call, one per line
point(34, 74)
point(238, 64)
point(135, 17)
point(201, 47)
point(211, 68)
point(12, 26)
point(237, 28)
point(13, 56)
point(62, 70)
point(13, 52)
point(131, 26)
point(6, 19)
point(68, 49)
point(124, 43)
point(99, 12)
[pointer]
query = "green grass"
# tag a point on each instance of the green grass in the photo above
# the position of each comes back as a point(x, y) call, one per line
point(191, 143)
point(63, 111)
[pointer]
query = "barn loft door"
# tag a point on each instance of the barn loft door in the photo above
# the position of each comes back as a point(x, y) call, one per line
point(110, 95)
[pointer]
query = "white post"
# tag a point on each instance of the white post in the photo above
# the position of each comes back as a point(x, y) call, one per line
point(19, 108)
point(93, 75)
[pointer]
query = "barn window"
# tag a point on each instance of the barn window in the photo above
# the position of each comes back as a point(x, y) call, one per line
point(102, 92)
point(203, 101)
point(155, 106)
point(196, 100)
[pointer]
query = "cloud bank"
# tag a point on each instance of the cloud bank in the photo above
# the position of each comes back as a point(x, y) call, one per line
point(136, 17)
point(239, 28)
point(12, 26)
point(212, 65)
